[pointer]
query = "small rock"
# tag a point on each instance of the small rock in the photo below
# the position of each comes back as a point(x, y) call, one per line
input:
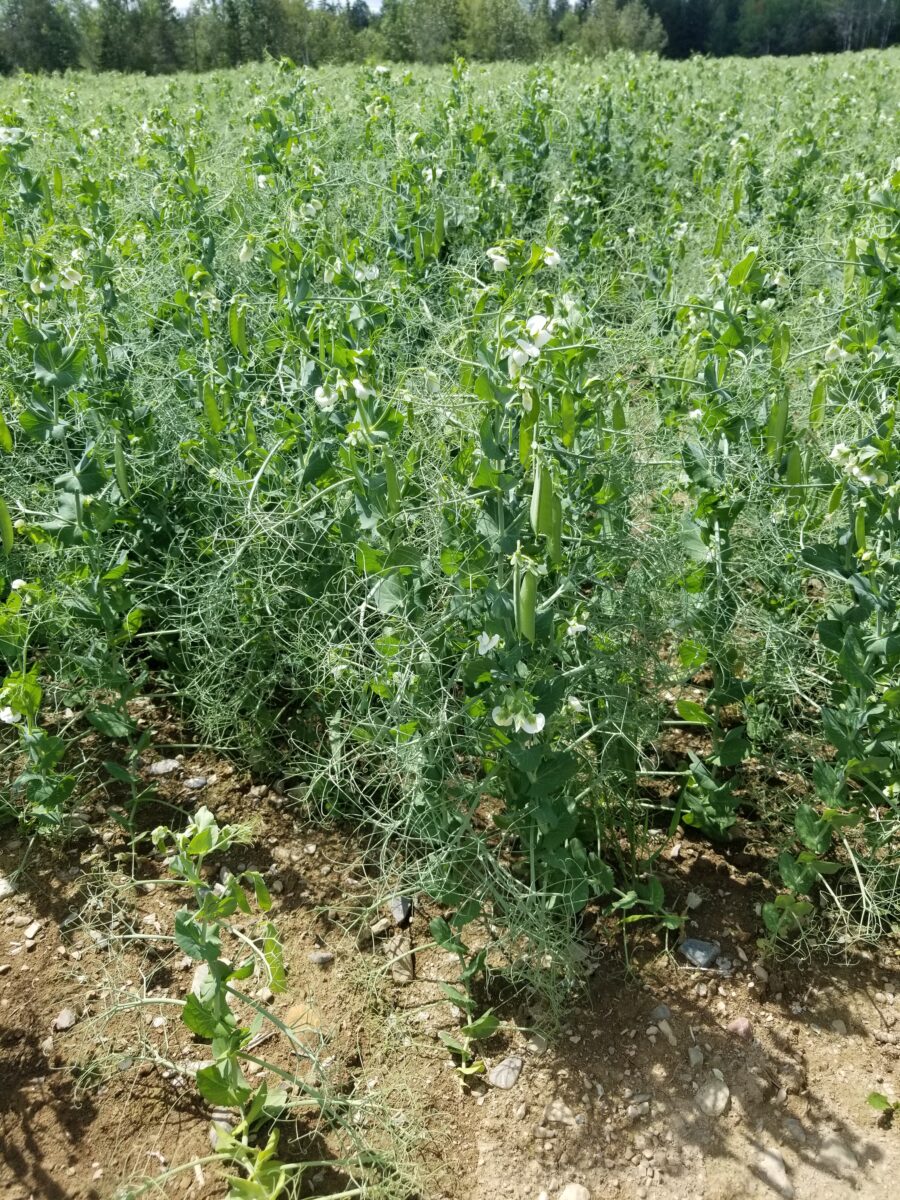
point(836, 1158)
point(695, 1057)
point(65, 1019)
point(701, 954)
point(574, 1191)
point(741, 1027)
point(7, 887)
point(321, 958)
point(401, 910)
point(196, 782)
point(4, 968)
point(693, 900)
point(713, 1097)
point(760, 972)
point(770, 1166)
point(839, 1026)
point(537, 1043)
point(265, 994)
point(558, 1112)
point(794, 1131)
point(47, 1047)
point(668, 1033)
point(31, 932)
point(662, 1012)
point(506, 1073)
point(164, 766)
point(310, 848)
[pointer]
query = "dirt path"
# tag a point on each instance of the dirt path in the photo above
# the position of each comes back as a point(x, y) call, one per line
point(631, 1100)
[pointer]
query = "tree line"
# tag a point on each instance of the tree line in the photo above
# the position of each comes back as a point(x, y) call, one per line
point(151, 36)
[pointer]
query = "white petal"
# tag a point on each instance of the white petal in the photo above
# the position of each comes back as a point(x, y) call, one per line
point(501, 717)
point(533, 724)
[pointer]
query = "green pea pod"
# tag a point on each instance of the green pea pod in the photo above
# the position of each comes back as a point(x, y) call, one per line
point(794, 470)
point(542, 502)
point(121, 470)
point(859, 530)
point(6, 528)
point(526, 603)
point(554, 539)
point(527, 428)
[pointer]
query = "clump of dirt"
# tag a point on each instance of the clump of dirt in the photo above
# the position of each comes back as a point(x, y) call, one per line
point(746, 1079)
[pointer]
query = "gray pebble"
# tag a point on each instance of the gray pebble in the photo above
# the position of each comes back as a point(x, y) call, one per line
point(701, 954)
point(164, 766)
point(713, 1097)
point(321, 958)
point(506, 1073)
point(771, 1167)
point(65, 1019)
point(662, 1012)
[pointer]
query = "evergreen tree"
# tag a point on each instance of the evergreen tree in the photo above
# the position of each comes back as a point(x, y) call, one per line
point(38, 35)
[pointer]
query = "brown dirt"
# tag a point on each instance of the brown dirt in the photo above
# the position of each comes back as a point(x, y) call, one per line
point(88, 1109)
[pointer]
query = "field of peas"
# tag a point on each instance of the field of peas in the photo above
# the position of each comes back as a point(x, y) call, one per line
point(501, 460)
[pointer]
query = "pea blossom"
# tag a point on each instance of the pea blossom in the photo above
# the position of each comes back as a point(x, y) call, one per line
point(499, 261)
point(552, 258)
point(516, 710)
point(487, 642)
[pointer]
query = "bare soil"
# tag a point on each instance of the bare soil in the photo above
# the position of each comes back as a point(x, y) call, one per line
point(609, 1101)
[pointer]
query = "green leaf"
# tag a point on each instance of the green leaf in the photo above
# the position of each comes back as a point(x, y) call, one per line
point(219, 1089)
point(879, 1102)
point(486, 1026)
point(111, 721)
point(688, 710)
point(740, 272)
point(201, 944)
point(200, 1019)
point(274, 956)
point(813, 832)
point(445, 937)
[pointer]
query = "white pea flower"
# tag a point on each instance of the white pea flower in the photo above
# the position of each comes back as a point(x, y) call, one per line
point(246, 251)
point(487, 643)
point(695, 414)
point(331, 273)
point(516, 710)
point(8, 717)
point(539, 329)
point(18, 584)
point(69, 278)
point(576, 705)
point(262, 181)
point(325, 399)
point(574, 627)
point(552, 258)
point(362, 392)
point(499, 261)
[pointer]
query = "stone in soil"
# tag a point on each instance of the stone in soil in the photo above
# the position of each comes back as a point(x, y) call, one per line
point(401, 910)
point(196, 782)
point(7, 887)
point(662, 1012)
point(574, 1191)
point(836, 1158)
point(794, 1131)
point(741, 1028)
point(558, 1112)
point(695, 1057)
point(32, 931)
point(713, 1097)
point(506, 1073)
point(164, 766)
point(668, 1033)
point(321, 958)
point(770, 1166)
point(65, 1019)
point(700, 953)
